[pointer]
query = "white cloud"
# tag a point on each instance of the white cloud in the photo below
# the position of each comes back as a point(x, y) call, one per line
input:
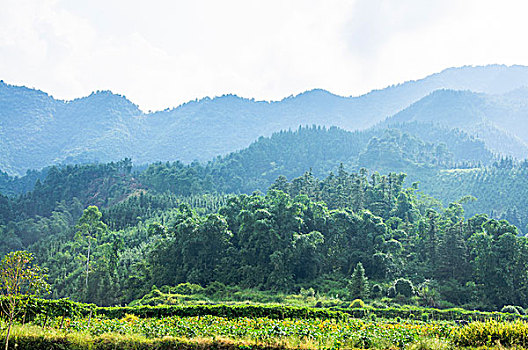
point(162, 53)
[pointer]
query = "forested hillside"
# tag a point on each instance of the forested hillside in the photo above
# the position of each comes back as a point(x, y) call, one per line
point(322, 209)
point(308, 233)
point(498, 120)
point(37, 130)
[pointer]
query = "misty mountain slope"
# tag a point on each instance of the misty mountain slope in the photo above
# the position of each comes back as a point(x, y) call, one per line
point(99, 126)
point(464, 147)
point(291, 153)
point(37, 130)
point(498, 120)
point(24, 113)
point(322, 150)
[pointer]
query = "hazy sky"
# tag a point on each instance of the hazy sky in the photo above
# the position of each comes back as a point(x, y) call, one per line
point(160, 53)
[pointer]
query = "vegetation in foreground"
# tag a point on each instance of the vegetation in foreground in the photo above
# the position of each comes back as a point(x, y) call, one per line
point(48, 324)
point(205, 332)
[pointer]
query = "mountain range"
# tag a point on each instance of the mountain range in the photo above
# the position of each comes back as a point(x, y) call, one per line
point(37, 130)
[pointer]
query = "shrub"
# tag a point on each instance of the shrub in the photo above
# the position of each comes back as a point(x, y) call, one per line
point(310, 292)
point(215, 289)
point(130, 318)
point(391, 292)
point(520, 310)
point(357, 303)
point(404, 287)
point(376, 291)
point(444, 304)
point(379, 305)
point(188, 288)
point(510, 309)
point(491, 333)
point(400, 299)
point(430, 344)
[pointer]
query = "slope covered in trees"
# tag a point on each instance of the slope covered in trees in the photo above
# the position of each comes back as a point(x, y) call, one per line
point(290, 154)
point(498, 120)
point(308, 232)
point(172, 223)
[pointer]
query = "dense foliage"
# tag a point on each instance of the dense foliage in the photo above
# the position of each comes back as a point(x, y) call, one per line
point(107, 233)
point(307, 232)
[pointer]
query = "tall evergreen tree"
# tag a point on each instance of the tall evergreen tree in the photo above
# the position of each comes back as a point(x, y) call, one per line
point(358, 284)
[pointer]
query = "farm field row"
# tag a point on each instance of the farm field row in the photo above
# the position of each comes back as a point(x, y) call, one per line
point(215, 332)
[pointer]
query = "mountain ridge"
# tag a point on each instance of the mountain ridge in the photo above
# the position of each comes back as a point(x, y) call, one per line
point(37, 130)
point(478, 114)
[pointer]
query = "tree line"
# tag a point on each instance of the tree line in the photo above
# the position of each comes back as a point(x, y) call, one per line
point(303, 233)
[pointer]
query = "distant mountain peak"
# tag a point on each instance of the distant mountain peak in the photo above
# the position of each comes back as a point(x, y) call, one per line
point(107, 98)
point(317, 93)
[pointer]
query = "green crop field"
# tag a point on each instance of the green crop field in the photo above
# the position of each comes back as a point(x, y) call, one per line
point(67, 325)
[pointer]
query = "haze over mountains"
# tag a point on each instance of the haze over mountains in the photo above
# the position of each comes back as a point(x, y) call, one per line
point(37, 130)
point(499, 120)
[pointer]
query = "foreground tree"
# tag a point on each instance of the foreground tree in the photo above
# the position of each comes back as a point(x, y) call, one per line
point(89, 228)
point(19, 279)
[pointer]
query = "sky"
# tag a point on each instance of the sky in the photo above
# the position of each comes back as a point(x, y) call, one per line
point(161, 53)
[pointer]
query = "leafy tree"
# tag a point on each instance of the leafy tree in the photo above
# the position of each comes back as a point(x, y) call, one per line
point(89, 228)
point(19, 279)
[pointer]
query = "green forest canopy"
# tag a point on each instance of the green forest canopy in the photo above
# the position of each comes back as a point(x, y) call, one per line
point(173, 223)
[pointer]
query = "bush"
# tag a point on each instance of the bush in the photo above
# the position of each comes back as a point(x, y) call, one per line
point(404, 287)
point(400, 299)
point(215, 289)
point(376, 291)
point(430, 344)
point(379, 305)
point(444, 304)
point(491, 333)
point(42, 308)
point(188, 289)
point(310, 292)
point(130, 318)
point(510, 309)
point(520, 310)
point(391, 292)
point(36, 338)
point(357, 303)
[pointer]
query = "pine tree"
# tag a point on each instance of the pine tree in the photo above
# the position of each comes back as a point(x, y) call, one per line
point(358, 284)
